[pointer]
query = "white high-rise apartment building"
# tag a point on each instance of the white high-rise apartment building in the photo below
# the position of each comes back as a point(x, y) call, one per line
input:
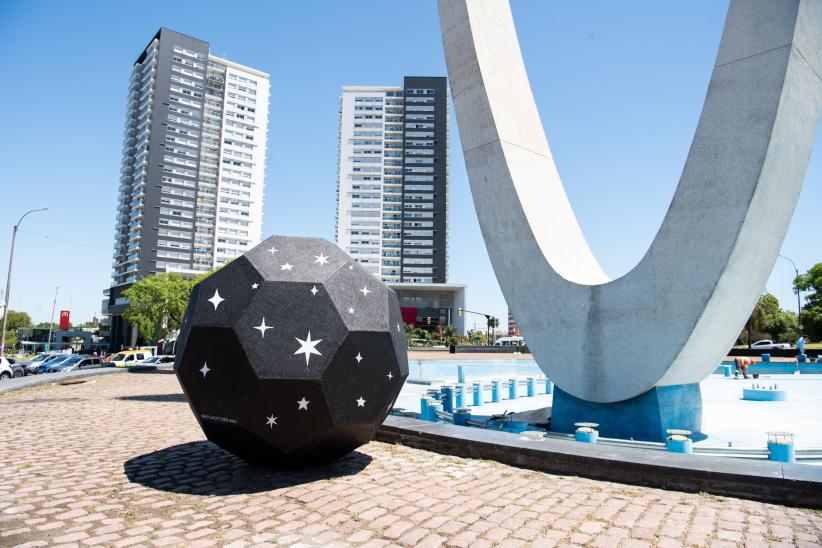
point(392, 179)
point(193, 167)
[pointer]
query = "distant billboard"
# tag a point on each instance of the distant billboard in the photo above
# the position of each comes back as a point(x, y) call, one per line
point(64, 320)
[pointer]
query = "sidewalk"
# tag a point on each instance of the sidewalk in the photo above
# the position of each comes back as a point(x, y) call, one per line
point(119, 460)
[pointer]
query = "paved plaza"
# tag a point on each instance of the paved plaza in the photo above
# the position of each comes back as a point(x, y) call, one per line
point(119, 460)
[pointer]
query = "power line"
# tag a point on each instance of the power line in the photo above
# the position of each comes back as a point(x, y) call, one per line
point(58, 239)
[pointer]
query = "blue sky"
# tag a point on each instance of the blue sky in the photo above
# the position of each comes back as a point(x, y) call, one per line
point(619, 86)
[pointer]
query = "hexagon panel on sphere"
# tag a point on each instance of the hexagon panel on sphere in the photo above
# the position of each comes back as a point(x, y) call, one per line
point(291, 354)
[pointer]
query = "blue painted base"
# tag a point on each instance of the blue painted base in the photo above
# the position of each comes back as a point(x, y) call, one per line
point(781, 452)
point(645, 417)
point(759, 394)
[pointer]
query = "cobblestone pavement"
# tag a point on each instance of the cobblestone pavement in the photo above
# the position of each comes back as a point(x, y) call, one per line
point(119, 460)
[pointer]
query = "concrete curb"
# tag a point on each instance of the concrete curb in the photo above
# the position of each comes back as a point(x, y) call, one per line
point(13, 385)
point(781, 483)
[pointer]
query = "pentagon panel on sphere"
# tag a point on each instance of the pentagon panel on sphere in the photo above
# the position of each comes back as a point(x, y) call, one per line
point(291, 354)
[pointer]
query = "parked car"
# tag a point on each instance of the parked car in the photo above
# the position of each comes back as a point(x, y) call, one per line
point(49, 366)
point(30, 366)
point(157, 360)
point(129, 357)
point(769, 345)
point(39, 367)
point(17, 370)
point(61, 365)
point(6, 371)
point(78, 362)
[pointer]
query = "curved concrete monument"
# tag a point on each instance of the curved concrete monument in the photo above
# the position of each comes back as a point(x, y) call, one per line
point(291, 354)
point(685, 302)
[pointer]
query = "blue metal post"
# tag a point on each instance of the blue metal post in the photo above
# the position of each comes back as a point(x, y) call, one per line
point(433, 407)
point(586, 435)
point(513, 389)
point(679, 444)
point(460, 396)
point(424, 407)
point(448, 399)
point(549, 386)
point(781, 452)
point(494, 391)
point(461, 417)
point(460, 375)
point(479, 395)
point(532, 387)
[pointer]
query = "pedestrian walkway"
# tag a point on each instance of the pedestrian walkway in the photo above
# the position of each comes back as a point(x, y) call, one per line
point(119, 460)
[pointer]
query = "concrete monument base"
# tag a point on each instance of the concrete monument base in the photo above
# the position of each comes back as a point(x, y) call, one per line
point(645, 417)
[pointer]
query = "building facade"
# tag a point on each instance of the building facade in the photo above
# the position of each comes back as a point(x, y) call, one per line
point(193, 166)
point(431, 306)
point(392, 179)
point(513, 328)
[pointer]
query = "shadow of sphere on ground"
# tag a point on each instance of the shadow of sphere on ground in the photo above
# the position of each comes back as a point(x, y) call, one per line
point(202, 468)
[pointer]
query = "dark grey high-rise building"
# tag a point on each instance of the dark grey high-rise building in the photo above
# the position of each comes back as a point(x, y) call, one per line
point(392, 186)
point(191, 182)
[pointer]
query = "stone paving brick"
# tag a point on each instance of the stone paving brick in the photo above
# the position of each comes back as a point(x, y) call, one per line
point(112, 481)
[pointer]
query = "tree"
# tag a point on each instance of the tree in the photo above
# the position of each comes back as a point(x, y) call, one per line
point(16, 319)
point(811, 282)
point(449, 336)
point(410, 332)
point(769, 321)
point(493, 323)
point(158, 304)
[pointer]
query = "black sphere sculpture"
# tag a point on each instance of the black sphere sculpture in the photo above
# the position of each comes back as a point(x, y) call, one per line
point(292, 354)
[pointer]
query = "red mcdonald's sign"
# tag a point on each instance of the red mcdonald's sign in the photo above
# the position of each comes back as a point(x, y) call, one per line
point(64, 320)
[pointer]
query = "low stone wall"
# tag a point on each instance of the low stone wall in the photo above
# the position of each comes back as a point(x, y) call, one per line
point(776, 353)
point(471, 349)
point(782, 483)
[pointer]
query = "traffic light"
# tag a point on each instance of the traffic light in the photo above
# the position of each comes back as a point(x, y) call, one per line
point(459, 312)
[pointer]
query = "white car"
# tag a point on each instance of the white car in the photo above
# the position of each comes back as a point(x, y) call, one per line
point(769, 345)
point(5, 369)
point(158, 360)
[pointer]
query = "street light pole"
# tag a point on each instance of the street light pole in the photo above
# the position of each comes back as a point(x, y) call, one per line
point(8, 278)
point(51, 323)
point(798, 301)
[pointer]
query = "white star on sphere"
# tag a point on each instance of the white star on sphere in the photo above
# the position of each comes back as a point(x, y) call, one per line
point(286, 266)
point(204, 370)
point(350, 310)
point(360, 402)
point(321, 259)
point(358, 357)
point(314, 290)
point(262, 328)
point(365, 291)
point(308, 347)
point(271, 421)
point(255, 285)
point(216, 299)
point(273, 250)
point(302, 404)
point(390, 376)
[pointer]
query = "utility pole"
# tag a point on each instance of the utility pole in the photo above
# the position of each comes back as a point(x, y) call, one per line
point(798, 301)
point(51, 323)
point(8, 278)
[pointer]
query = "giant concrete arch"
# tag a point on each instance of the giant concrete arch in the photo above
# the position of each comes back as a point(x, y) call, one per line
point(685, 302)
